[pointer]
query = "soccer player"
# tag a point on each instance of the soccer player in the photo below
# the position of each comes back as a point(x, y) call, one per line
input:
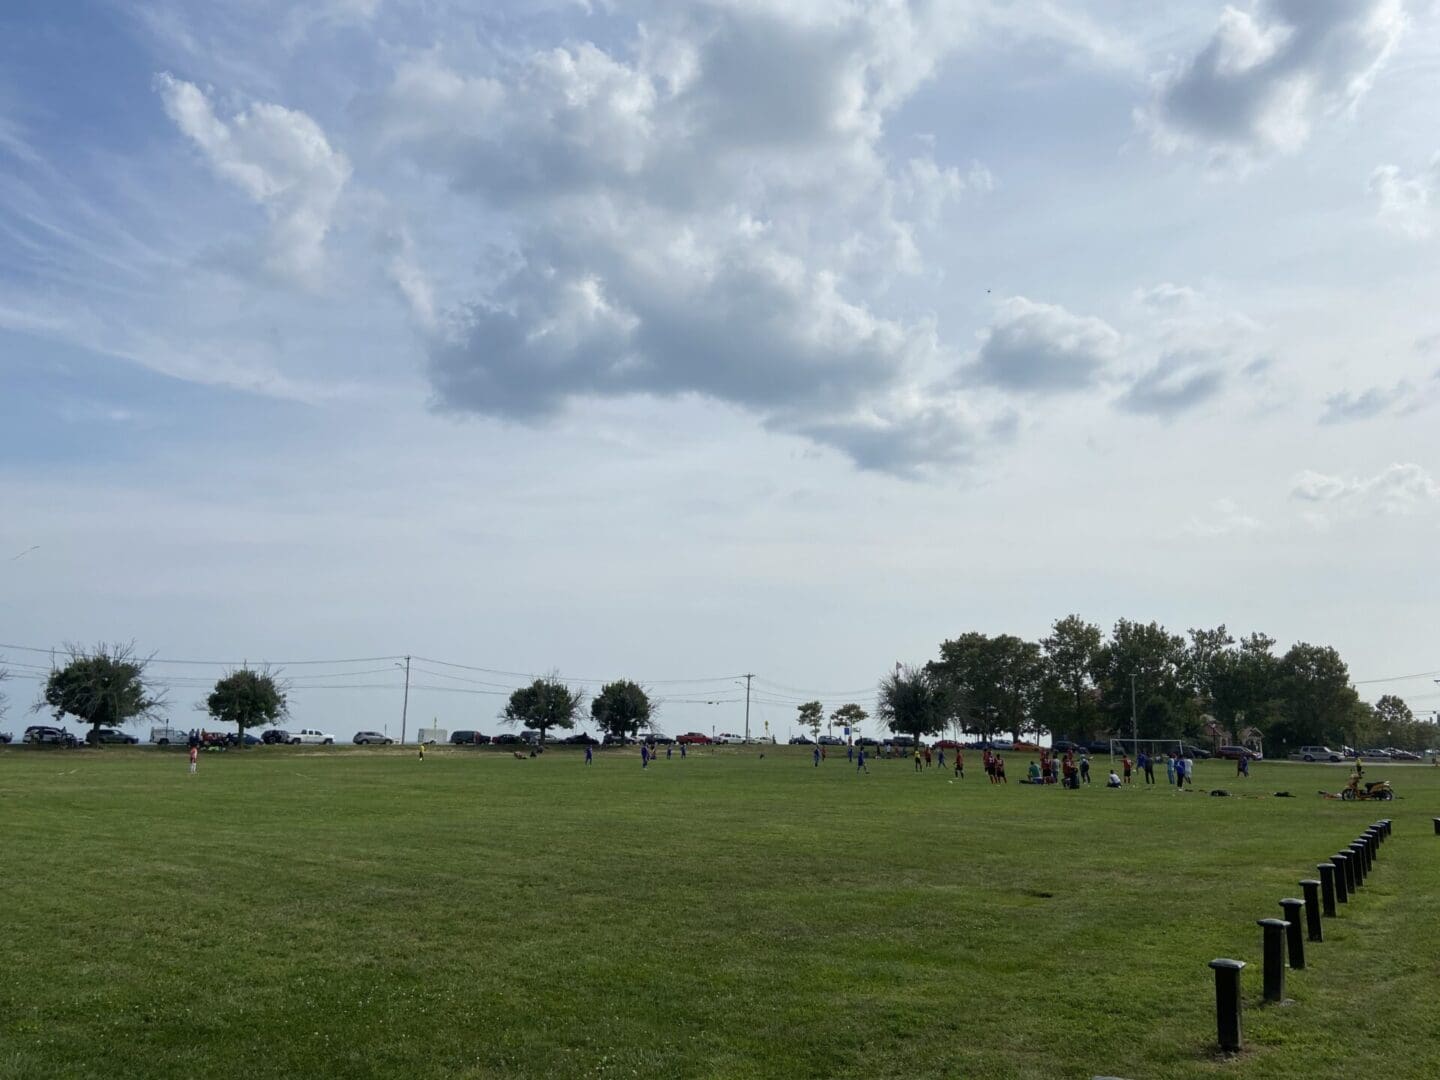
point(1085, 768)
point(816, 755)
point(1170, 767)
point(959, 765)
point(860, 765)
point(1125, 764)
point(918, 766)
point(644, 756)
point(589, 754)
point(194, 757)
point(1000, 770)
point(1190, 771)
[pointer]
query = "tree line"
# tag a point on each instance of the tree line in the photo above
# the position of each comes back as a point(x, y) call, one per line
point(1079, 683)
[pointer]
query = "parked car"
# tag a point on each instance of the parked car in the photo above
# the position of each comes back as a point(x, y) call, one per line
point(729, 738)
point(377, 738)
point(1235, 753)
point(1402, 755)
point(1376, 752)
point(1098, 746)
point(1199, 753)
point(48, 735)
point(1317, 753)
point(867, 740)
point(1065, 746)
point(274, 736)
point(612, 739)
point(169, 736)
point(231, 739)
point(110, 735)
point(5, 737)
point(583, 738)
point(311, 737)
point(657, 737)
point(695, 738)
point(946, 744)
point(464, 738)
point(801, 740)
point(507, 738)
point(831, 740)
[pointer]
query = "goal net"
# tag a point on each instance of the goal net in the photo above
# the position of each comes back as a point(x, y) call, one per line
point(1158, 749)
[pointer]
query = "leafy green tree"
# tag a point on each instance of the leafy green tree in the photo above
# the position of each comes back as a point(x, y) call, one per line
point(849, 715)
point(1245, 684)
point(1205, 658)
point(1071, 650)
point(995, 683)
point(1155, 657)
point(104, 687)
point(1319, 704)
point(811, 715)
point(914, 701)
point(544, 704)
point(247, 699)
point(622, 708)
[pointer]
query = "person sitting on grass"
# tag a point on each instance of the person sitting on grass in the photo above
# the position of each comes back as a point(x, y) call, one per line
point(1114, 780)
point(1033, 773)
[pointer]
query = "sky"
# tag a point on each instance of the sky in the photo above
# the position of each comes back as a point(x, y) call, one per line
point(675, 341)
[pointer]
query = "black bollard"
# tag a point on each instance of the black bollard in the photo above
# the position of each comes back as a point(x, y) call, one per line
point(1342, 879)
point(1312, 909)
point(1371, 836)
point(1294, 942)
point(1349, 867)
point(1357, 860)
point(1227, 1003)
point(1274, 958)
point(1388, 826)
point(1369, 853)
point(1327, 886)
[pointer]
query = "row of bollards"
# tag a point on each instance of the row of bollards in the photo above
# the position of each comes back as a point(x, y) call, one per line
point(1340, 879)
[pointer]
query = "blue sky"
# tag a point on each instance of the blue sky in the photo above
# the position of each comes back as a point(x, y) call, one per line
point(682, 340)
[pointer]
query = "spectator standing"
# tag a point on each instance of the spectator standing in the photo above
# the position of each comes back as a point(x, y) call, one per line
point(1085, 768)
point(1170, 767)
point(1125, 764)
point(1189, 770)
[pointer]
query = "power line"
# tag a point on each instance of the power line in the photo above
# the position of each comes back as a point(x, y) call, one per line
point(1398, 678)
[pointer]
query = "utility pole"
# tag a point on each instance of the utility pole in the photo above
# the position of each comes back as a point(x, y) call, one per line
point(405, 708)
point(1134, 722)
point(747, 706)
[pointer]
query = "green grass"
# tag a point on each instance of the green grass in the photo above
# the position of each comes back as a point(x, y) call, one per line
point(296, 913)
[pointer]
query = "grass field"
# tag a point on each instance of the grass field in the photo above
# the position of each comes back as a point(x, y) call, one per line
point(299, 913)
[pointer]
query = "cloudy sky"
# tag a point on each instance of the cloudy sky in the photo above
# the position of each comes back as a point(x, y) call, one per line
point(680, 340)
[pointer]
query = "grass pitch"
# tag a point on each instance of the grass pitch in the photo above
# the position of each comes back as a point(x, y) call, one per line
point(298, 913)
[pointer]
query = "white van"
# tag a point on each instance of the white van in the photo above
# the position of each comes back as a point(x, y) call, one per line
point(169, 736)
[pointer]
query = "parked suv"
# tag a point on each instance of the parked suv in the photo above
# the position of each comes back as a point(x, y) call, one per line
point(45, 734)
point(1235, 753)
point(110, 735)
point(274, 736)
point(462, 738)
point(831, 740)
point(311, 737)
point(365, 738)
point(1317, 753)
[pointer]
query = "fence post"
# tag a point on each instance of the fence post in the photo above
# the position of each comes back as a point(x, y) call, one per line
point(1274, 958)
point(1312, 909)
point(1345, 864)
point(1227, 1003)
point(1342, 879)
point(1294, 942)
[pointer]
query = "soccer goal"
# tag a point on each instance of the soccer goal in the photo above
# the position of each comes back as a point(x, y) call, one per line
point(1152, 748)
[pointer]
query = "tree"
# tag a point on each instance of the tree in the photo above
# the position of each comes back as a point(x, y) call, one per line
point(621, 708)
point(1070, 654)
point(1319, 705)
point(995, 683)
point(105, 687)
point(1205, 660)
point(914, 701)
point(850, 715)
point(544, 704)
point(1245, 685)
point(247, 698)
point(811, 715)
point(1155, 658)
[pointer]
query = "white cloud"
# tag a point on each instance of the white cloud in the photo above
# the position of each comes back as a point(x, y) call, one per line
point(1037, 348)
point(278, 157)
point(705, 209)
point(1269, 73)
point(1406, 203)
point(1399, 489)
point(1223, 518)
